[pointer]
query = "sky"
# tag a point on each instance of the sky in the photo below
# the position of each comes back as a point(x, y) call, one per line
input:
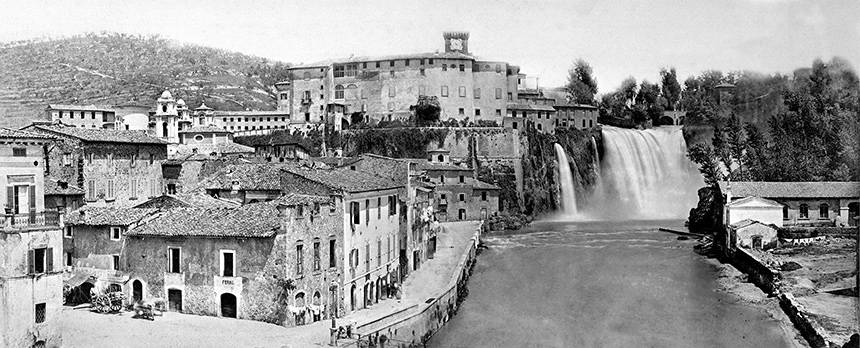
point(618, 38)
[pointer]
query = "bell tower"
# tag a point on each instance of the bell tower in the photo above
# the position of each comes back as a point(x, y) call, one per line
point(456, 41)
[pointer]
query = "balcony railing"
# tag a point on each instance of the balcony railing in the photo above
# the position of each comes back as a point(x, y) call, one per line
point(28, 221)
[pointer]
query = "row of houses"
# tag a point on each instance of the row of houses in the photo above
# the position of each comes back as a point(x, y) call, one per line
point(213, 234)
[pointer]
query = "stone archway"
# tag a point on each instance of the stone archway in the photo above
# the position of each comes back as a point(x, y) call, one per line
point(136, 291)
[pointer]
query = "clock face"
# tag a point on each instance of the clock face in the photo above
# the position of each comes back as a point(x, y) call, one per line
point(456, 44)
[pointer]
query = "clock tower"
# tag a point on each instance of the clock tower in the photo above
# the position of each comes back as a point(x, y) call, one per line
point(456, 41)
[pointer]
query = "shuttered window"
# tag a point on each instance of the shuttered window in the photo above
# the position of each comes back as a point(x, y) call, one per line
point(40, 260)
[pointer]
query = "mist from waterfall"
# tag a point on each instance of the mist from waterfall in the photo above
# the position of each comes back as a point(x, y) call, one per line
point(566, 184)
point(645, 174)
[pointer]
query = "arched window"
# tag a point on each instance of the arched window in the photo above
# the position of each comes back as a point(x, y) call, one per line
point(785, 212)
point(823, 211)
point(352, 91)
point(441, 158)
point(804, 211)
point(338, 92)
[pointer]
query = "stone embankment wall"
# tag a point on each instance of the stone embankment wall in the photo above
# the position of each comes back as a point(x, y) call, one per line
point(768, 280)
point(416, 328)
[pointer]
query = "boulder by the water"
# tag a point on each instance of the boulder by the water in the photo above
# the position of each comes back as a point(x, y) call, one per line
point(707, 216)
point(790, 266)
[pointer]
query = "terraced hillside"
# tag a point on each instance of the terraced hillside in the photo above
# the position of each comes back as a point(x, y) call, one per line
point(108, 69)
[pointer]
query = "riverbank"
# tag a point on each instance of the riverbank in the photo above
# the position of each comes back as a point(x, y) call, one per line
point(734, 282)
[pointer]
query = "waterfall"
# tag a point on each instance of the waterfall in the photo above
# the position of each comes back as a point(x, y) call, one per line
point(595, 163)
point(565, 182)
point(645, 175)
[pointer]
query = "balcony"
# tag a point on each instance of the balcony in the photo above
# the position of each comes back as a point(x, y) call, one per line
point(17, 222)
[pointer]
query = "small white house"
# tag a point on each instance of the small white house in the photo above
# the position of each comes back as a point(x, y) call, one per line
point(752, 234)
point(755, 208)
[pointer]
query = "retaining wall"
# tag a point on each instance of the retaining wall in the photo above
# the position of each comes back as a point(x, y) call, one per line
point(414, 328)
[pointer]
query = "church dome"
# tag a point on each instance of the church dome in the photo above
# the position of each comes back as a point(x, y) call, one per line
point(180, 102)
point(166, 95)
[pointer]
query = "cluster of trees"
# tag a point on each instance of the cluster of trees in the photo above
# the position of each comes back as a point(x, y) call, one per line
point(631, 104)
point(803, 127)
point(643, 102)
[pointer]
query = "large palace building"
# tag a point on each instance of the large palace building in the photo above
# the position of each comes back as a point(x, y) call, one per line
point(383, 88)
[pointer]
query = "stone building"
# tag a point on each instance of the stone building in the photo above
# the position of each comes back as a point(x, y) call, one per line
point(459, 196)
point(754, 208)
point(114, 167)
point(82, 116)
point(30, 244)
point(753, 234)
point(370, 225)
point(804, 203)
point(577, 116)
point(94, 239)
point(383, 88)
point(280, 150)
point(62, 196)
point(248, 182)
point(209, 141)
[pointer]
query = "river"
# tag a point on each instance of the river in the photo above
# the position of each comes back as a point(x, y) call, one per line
point(601, 284)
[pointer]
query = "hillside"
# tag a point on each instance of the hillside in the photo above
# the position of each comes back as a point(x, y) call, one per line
point(108, 69)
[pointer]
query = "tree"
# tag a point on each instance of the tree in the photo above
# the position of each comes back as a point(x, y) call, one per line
point(427, 110)
point(735, 142)
point(628, 90)
point(704, 156)
point(670, 88)
point(581, 85)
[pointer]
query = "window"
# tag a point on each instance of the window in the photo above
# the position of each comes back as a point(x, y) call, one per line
point(391, 91)
point(115, 259)
point(228, 263)
point(442, 179)
point(539, 127)
point(498, 68)
point(316, 255)
point(444, 67)
point(392, 205)
point(367, 257)
point(355, 211)
point(19, 152)
point(91, 190)
point(93, 114)
point(483, 195)
point(391, 63)
point(115, 233)
point(338, 92)
point(40, 313)
point(69, 259)
point(499, 112)
point(462, 67)
point(804, 211)
point(477, 112)
point(462, 91)
point(67, 159)
point(407, 62)
point(510, 96)
point(444, 91)
point(477, 93)
point(332, 258)
point(300, 259)
point(462, 179)
point(498, 93)
point(461, 111)
point(132, 189)
point(69, 232)
point(367, 212)
point(583, 123)
point(377, 64)
point(462, 197)
point(110, 189)
point(41, 260)
point(823, 211)
point(422, 72)
point(378, 252)
point(378, 208)
point(514, 125)
point(174, 256)
point(430, 61)
point(443, 196)
point(539, 114)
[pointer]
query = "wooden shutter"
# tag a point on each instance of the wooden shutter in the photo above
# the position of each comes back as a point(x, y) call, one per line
point(32, 190)
point(31, 261)
point(49, 260)
point(10, 198)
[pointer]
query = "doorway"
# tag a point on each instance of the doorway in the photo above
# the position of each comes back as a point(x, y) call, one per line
point(136, 291)
point(174, 300)
point(461, 214)
point(228, 305)
point(853, 213)
point(352, 298)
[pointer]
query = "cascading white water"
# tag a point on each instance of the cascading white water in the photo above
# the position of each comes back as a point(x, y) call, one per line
point(565, 182)
point(645, 174)
point(596, 163)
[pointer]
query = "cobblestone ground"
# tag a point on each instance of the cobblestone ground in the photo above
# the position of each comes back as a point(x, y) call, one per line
point(82, 328)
